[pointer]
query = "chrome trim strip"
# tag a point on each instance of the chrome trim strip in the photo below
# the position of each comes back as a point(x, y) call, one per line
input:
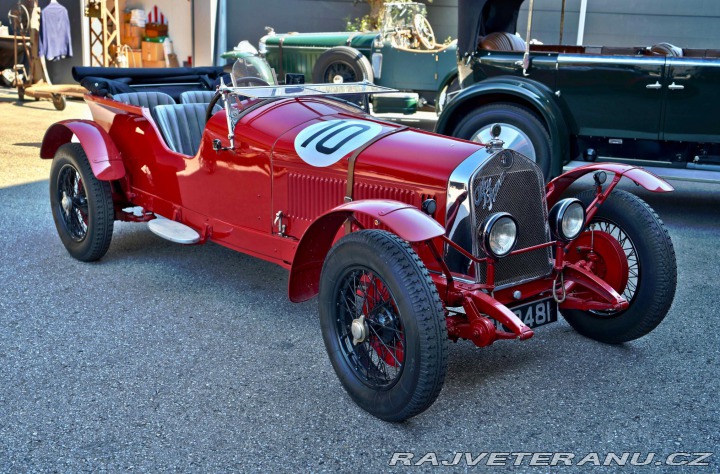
point(458, 203)
point(459, 183)
point(632, 60)
point(319, 48)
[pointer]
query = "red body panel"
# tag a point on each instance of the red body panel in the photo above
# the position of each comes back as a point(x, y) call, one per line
point(644, 178)
point(232, 196)
point(104, 157)
point(406, 221)
point(403, 166)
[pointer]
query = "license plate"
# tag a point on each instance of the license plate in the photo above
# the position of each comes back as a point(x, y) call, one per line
point(537, 313)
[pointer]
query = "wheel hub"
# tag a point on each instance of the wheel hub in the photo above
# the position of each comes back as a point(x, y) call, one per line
point(359, 330)
point(66, 203)
point(338, 79)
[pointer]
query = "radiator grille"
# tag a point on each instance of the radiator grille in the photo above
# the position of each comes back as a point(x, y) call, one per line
point(521, 192)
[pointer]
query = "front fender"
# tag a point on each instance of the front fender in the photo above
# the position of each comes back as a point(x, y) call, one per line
point(408, 222)
point(517, 90)
point(104, 157)
point(555, 188)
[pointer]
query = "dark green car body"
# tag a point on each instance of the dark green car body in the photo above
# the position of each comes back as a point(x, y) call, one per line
point(633, 104)
point(420, 71)
point(402, 55)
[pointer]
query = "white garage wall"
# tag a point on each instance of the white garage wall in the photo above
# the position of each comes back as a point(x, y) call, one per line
point(179, 16)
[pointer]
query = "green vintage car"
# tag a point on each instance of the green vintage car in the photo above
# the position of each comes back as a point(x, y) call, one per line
point(653, 105)
point(403, 55)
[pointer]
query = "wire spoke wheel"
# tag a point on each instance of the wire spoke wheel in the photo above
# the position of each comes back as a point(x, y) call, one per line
point(377, 358)
point(82, 206)
point(73, 202)
point(630, 249)
point(383, 324)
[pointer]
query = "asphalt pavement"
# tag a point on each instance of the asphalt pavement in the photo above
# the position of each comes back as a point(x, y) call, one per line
point(169, 358)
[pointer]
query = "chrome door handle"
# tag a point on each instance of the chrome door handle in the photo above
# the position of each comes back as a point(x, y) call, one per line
point(657, 85)
point(675, 87)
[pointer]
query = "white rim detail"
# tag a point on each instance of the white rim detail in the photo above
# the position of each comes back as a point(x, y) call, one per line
point(513, 138)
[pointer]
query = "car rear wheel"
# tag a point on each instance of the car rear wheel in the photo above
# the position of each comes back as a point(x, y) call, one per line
point(342, 64)
point(82, 205)
point(634, 254)
point(522, 131)
point(383, 324)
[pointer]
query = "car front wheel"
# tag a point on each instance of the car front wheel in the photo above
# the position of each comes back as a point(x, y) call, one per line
point(383, 324)
point(521, 131)
point(630, 249)
point(82, 205)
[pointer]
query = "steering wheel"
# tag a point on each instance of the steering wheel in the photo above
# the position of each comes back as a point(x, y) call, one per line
point(247, 81)
point(211, 106)
point(424, 31)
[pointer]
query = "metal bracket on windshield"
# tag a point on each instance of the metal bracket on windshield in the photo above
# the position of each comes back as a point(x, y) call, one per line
point(231, 114)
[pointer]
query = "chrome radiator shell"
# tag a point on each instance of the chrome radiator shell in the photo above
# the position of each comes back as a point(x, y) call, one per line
point(489, 182)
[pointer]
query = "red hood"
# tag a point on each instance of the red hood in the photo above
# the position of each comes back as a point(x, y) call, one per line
point(409, 165)
point(407, 158)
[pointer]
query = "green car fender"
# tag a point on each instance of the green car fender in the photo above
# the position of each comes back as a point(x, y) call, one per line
point(452, 74)
point(517, 90)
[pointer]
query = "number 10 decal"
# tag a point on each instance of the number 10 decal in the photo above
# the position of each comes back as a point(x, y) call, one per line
point(325, 143)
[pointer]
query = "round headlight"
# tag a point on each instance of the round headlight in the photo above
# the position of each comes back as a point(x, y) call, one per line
point(567, 219)
point(499, 234)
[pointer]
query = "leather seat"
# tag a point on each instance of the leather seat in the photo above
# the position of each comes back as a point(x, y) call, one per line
point(666, 49)
point(502, 41)
point(144, 99)
point(196, 97)
point(181, 126)
point(201, 97)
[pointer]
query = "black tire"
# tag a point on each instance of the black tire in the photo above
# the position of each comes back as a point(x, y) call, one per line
point(343, 62)
point(58, 101)
point(405, 322)
point(653, 290)
point(82, 205)
point(483, 118)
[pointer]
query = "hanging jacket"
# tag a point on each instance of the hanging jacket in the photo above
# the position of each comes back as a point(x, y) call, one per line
point(55, 42)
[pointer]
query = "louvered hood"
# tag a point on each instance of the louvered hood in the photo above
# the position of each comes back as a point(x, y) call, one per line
point(310, 160)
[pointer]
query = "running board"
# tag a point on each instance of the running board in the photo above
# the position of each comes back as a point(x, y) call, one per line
point(173, 231)
point(671, 174)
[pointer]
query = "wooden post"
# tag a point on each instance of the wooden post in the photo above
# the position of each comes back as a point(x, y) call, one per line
point(104, 20)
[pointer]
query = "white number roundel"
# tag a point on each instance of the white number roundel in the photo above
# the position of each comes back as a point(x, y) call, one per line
point(324, 143)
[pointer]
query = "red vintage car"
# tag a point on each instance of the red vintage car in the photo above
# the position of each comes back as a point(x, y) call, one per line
point(410, 239)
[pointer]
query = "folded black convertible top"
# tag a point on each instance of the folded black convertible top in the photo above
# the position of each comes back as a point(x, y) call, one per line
point(140, 75)
point(105, 81)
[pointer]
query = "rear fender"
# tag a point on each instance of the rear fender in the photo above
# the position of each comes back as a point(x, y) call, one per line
point(408, 222)
point(520, 91)
point(104, 157)
point(555, 188)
